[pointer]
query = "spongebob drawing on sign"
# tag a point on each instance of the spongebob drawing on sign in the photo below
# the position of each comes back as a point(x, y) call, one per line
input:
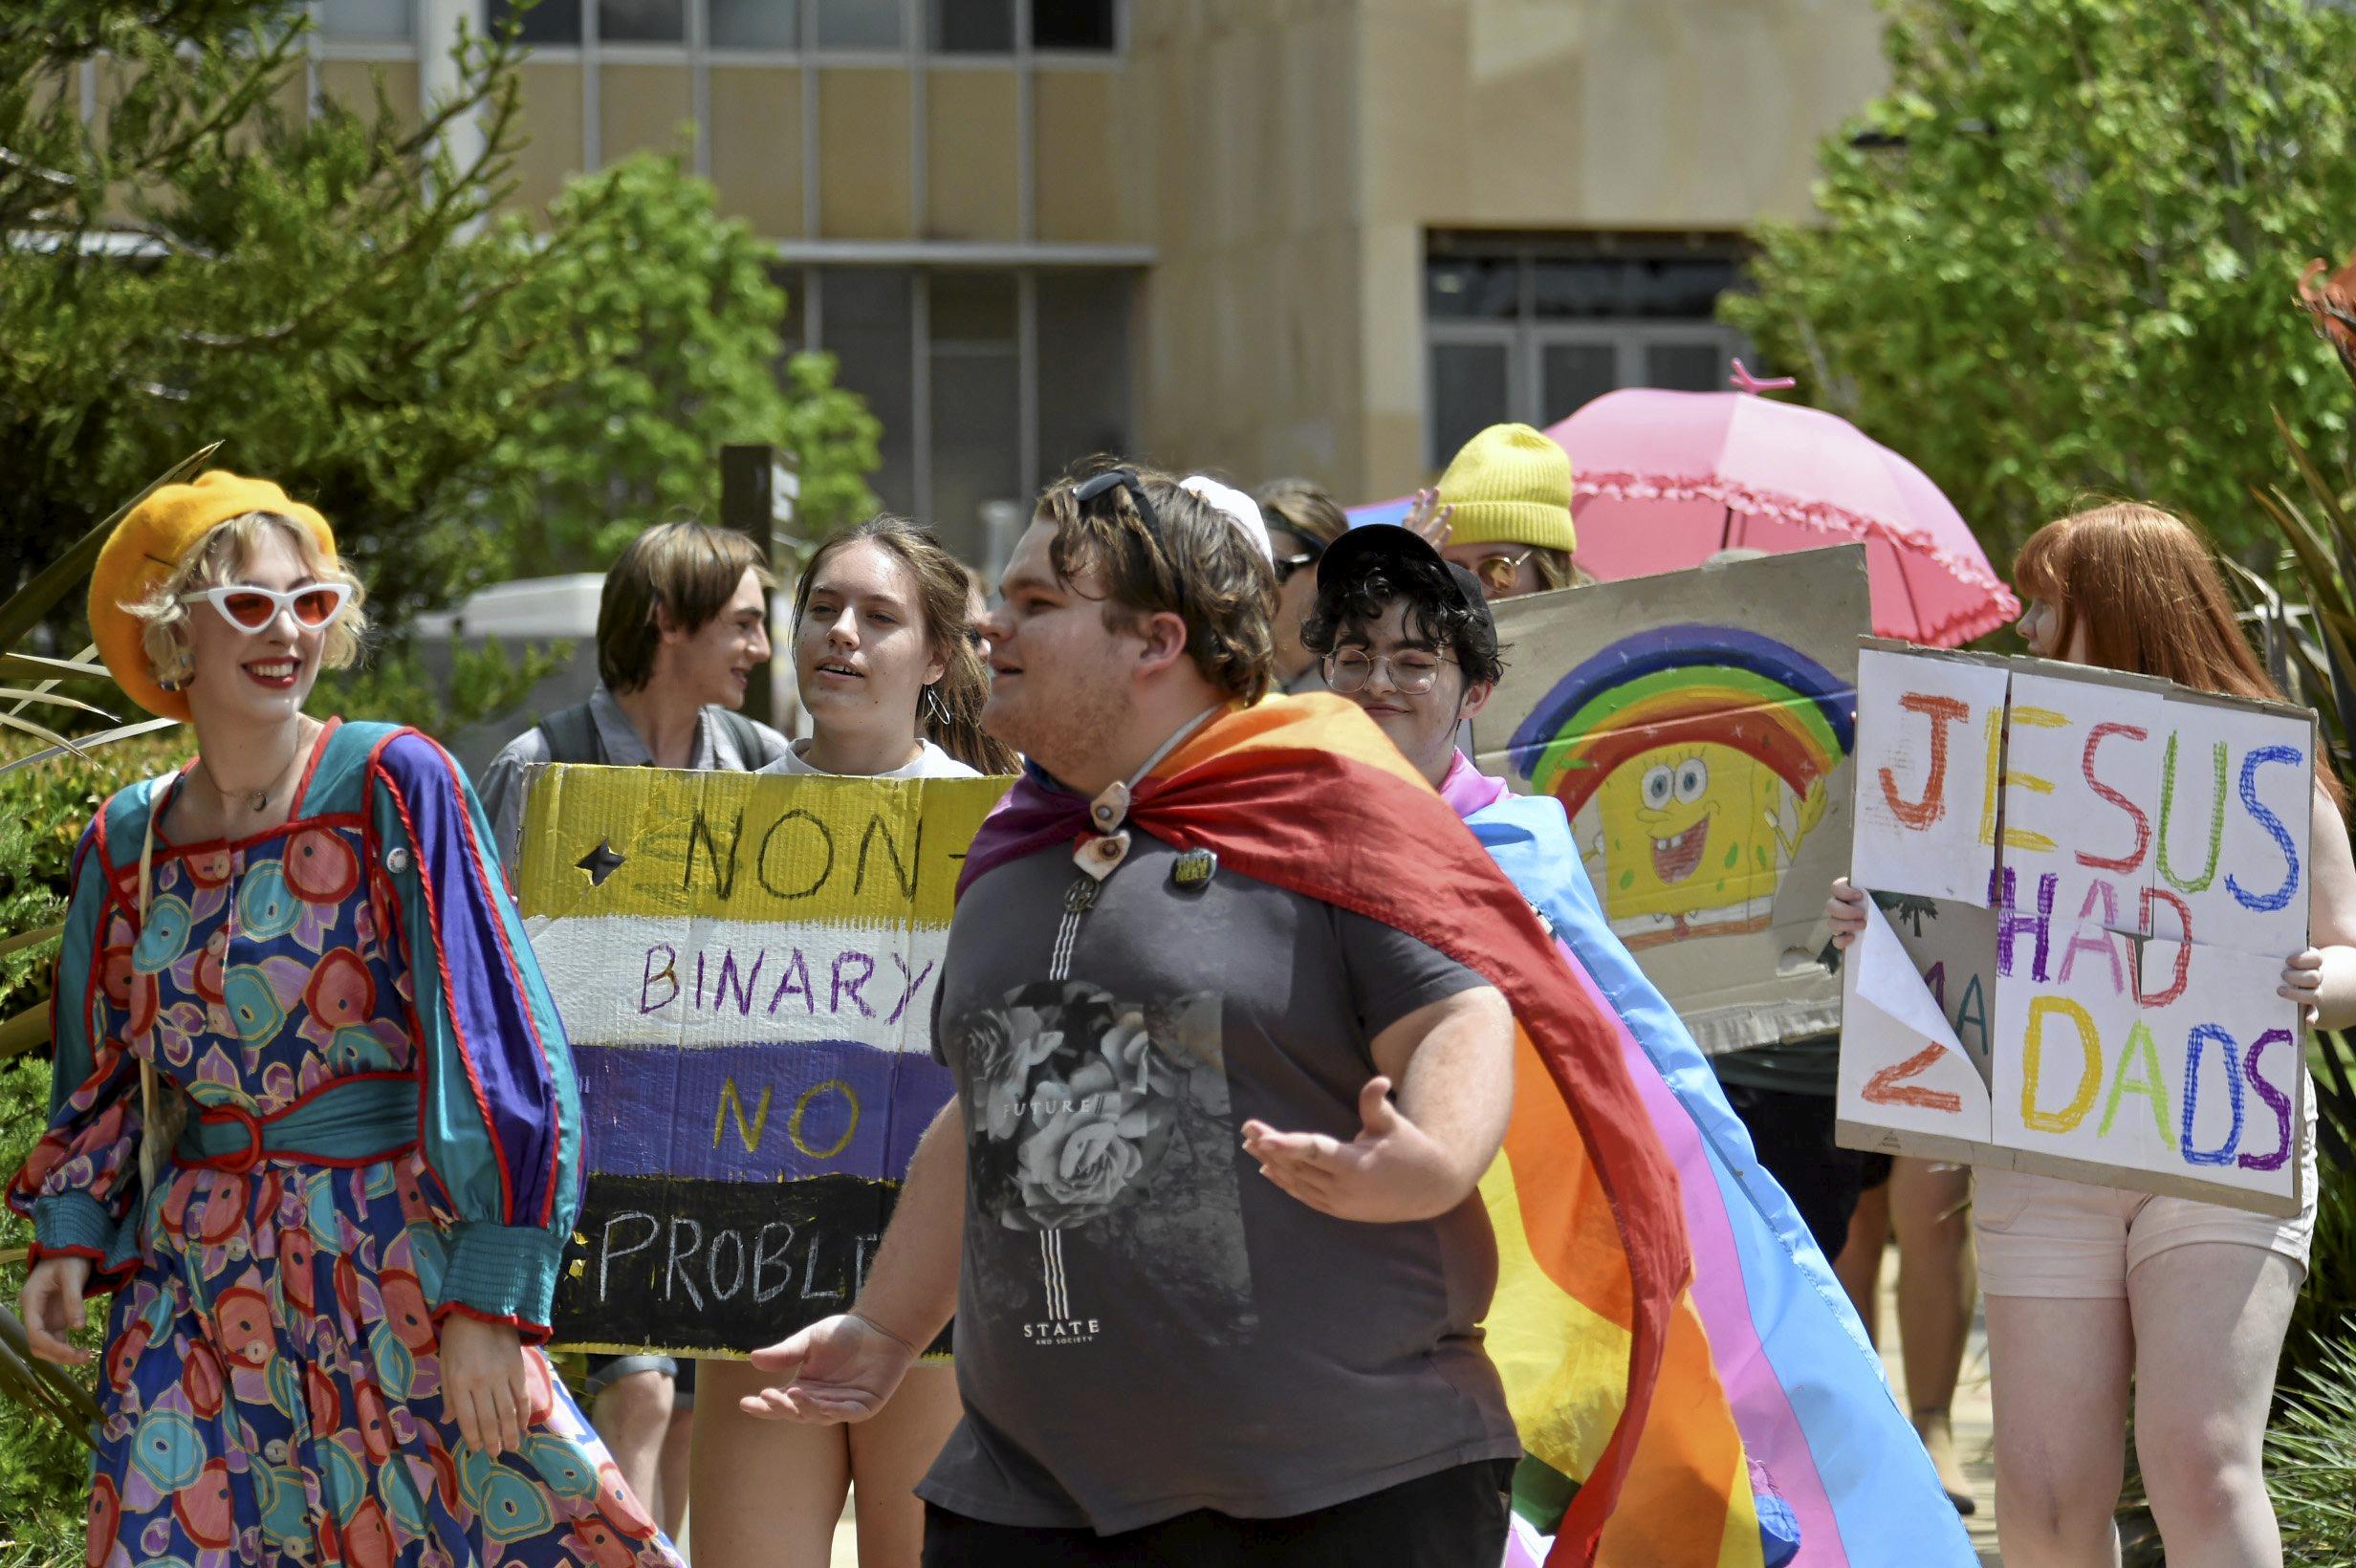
point(1693, 760)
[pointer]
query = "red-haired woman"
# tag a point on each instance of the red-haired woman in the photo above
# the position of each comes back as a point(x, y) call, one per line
point(2096, 1292)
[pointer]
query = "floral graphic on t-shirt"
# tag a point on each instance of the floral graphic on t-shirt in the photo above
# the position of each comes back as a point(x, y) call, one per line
point(1073, 1097)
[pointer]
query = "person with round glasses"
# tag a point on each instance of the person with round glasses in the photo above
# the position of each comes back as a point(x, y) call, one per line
point(1406, 637)
point(313, 1121)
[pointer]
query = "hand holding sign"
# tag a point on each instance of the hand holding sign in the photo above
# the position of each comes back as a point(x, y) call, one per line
point(1845, 910)
point(2302, 983)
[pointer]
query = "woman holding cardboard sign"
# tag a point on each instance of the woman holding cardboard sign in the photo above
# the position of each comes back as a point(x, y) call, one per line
point(894, 685)
point(2096, 1293)
point(315, 1123)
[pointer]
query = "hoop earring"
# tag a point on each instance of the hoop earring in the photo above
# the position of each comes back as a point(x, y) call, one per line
point(935, 708)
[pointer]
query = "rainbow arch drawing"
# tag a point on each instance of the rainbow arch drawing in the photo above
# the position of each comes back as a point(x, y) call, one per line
point(1687, 681)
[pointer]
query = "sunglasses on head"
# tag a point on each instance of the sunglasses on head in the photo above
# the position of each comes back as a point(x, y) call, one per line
point(1310, 552)
point(251, 609)
point(1112, 479)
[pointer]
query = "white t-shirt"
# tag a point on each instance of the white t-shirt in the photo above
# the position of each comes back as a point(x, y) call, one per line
point(930, 762)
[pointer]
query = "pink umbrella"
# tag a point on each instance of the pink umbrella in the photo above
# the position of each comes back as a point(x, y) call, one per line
point(1662, 479)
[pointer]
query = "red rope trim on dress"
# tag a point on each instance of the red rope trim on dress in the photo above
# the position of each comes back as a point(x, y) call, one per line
point(450, 989)
point(496, 890)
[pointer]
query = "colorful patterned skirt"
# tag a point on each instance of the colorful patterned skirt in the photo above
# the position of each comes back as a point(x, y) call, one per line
point(272, 1393)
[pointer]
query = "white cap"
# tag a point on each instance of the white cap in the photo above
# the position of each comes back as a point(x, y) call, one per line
point(1238, 508)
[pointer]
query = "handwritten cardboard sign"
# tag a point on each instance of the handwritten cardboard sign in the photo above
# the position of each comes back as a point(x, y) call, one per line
point(2102, 875)
point(746, 966)
point(1696, 727)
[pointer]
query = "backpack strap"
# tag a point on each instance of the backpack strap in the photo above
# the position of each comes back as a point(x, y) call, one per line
point(573, 735)
point(750, 743)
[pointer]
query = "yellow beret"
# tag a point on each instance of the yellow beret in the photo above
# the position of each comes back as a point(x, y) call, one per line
point(148, 545)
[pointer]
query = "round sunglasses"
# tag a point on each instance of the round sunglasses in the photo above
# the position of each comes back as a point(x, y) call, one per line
point(251, 609)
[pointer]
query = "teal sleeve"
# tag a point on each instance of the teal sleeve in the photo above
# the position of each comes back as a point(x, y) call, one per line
point(80, 1184)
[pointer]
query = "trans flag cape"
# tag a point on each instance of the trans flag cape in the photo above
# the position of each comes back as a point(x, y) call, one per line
point(1594, 1325)
point(1841, 1463)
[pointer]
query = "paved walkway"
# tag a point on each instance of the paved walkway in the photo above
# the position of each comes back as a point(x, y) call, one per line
point(1974, 1418)
point(1973, 1429)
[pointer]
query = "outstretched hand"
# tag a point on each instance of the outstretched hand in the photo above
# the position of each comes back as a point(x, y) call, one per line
point(839, 1369)
point(1392, 1172)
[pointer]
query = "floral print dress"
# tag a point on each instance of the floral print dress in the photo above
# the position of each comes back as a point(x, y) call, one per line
point(384, 1130)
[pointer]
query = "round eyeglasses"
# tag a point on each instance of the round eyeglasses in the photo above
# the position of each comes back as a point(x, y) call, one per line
point(1409, 672)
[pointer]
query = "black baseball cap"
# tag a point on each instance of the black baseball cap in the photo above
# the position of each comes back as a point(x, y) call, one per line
point(1370, 542)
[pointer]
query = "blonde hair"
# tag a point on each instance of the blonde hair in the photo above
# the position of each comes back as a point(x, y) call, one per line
point(213, 561)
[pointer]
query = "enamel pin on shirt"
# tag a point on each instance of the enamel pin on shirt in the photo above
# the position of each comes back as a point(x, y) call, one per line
point(1194, 870)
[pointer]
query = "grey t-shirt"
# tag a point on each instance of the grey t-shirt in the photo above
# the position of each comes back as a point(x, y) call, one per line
point(1146, 1325)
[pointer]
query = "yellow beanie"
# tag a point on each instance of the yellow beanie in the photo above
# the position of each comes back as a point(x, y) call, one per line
point(148, 545)
point(1510, 485)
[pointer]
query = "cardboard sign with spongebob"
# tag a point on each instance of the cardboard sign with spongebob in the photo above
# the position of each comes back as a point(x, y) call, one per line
point(1697, 728)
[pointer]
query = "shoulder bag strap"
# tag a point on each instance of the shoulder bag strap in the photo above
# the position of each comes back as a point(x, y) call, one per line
point(573, 735)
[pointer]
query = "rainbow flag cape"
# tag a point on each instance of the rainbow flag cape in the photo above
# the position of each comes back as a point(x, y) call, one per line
point(1607, 1364)
point(1835, 1466)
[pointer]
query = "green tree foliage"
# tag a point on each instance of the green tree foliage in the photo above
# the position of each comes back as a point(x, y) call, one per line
point(2056, 257)
point(674, 310)
point(354, 312)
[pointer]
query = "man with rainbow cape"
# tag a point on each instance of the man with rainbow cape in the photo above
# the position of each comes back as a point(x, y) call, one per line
point(1775, 1438)
point(1191, 924)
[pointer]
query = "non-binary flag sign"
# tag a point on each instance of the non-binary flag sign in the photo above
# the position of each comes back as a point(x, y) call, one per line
point(2087, 884)
point(746, 967)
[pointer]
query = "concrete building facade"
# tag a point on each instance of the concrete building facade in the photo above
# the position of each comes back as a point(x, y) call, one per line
point(1324, 237)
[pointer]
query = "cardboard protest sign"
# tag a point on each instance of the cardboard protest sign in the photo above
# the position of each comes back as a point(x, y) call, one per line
point(746, 965)
point(2142, 856)
point(1921, 811)
point(1697, 726)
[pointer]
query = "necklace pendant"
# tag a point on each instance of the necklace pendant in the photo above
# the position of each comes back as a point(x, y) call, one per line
point(1106, 811)
point(1099, 857)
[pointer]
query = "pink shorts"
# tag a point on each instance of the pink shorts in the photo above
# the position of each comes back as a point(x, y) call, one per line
point(2042, 1236)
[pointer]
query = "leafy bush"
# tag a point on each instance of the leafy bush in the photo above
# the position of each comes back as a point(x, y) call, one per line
point(44, 1469)
point(2311, 1450)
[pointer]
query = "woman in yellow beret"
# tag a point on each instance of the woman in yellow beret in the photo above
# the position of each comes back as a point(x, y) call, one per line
point(313, 1119)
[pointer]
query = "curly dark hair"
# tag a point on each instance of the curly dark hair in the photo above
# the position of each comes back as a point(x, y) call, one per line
point(1197, 566)
point(1436, 613)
